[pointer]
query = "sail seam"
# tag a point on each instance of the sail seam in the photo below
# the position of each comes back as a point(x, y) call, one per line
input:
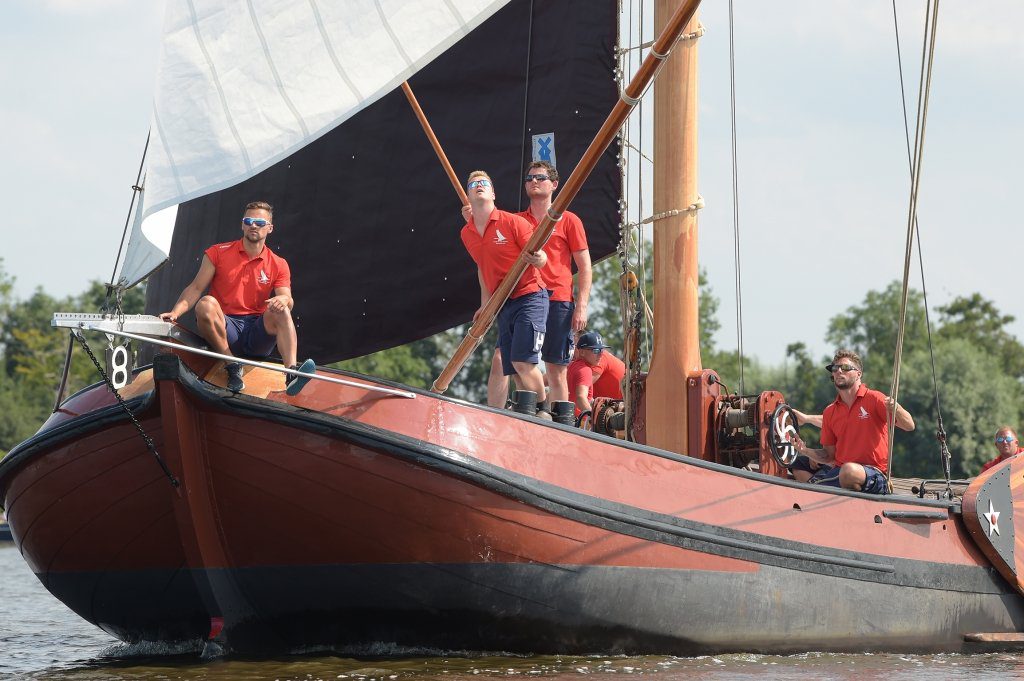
point(273, 70)
point(171, 164)
point(220, 93)
point(457, 14)
point(391, 33)
point(331, 52)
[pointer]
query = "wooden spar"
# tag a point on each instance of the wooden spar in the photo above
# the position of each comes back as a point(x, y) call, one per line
point(434, 143)
point(628, 100)
point(677, 343)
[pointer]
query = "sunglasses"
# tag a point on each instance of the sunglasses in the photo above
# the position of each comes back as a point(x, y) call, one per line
point(540, 177)
point(1001, 440)
point(833, 368)
point(259, 222)
point(478, 183)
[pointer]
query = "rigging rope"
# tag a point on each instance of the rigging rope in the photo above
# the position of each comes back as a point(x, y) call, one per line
point(735, 203)
point(924, 90)
point(940, 433)
point(136, 188)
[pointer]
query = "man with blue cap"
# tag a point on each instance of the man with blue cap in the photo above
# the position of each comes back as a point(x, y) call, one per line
point(594, 372)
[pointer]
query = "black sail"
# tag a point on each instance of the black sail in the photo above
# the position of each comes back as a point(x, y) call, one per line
point(367, 217)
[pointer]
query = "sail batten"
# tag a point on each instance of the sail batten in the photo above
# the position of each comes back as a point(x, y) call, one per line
point(243, 84)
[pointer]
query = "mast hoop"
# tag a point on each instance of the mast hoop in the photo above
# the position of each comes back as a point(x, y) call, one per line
point(555, 217)
point(631, 101)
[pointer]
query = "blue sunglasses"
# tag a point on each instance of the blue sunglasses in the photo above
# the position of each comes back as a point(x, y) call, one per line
point(259, 222)
point(1000, 440)
point(478, 183)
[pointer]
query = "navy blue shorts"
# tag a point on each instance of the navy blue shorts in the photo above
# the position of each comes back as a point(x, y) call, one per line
point(247, 337)
point(558, 337)
point(874, 482)
point(521, 325)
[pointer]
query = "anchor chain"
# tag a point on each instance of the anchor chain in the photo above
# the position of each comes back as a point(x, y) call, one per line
point(120, 400)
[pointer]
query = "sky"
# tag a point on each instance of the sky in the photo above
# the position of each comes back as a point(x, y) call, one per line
point(822, 159)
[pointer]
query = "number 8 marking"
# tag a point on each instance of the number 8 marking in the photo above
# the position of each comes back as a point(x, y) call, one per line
point(119, 367)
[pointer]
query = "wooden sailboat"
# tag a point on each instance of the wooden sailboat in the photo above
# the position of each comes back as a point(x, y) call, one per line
point(361, 512)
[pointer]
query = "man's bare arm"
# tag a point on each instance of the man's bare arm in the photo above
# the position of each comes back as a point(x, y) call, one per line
point(904, 421)
point(807, 419)
point(585, 274)
point(193, 292)
point(826, 455)
point(282, 299)
point(582, 402)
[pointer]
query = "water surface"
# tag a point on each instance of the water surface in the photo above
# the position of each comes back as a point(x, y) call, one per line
point(42, 639)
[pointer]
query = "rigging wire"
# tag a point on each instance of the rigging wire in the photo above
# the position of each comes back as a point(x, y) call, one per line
point(526, 99)
point(924, 90)
point(629, 249)
point(940, 433)
point(735, 202)
point(136, 188)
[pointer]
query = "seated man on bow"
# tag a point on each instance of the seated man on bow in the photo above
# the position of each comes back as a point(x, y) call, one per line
point(248, 308)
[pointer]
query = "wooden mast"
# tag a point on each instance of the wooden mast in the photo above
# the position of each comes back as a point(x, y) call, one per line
point(677, 341)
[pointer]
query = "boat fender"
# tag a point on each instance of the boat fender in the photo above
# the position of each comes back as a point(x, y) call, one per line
point(524, 402)
point(562, 412)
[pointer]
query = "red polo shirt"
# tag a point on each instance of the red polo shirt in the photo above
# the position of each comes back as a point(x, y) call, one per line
point(578, 374)
point(999, 459)
point(242, 285)
point(496, 251)
point(608, 376)
point(566, 238)
point(860, 432)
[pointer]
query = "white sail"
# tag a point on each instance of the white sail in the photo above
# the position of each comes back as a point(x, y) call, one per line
point(243, 84)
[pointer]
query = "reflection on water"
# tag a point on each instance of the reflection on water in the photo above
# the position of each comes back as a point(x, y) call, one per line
point(124, 664)
point(41, 639)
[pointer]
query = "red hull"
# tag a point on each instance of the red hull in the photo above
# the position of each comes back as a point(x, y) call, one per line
point(347, 517)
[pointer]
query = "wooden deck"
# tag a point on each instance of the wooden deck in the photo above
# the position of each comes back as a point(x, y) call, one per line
point(933, 488)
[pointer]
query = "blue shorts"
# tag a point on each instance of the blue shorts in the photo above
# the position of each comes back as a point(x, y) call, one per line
point(247, 337)
point(874, 483)
point(521, 326)
point(558, 337)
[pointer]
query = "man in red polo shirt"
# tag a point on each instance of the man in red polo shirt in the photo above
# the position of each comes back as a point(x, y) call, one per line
point(608, 374)
point(854, 433)
point(590, 375)
point(494, 240)
point(566, 316)
point(1007, 446)
point(248, 308)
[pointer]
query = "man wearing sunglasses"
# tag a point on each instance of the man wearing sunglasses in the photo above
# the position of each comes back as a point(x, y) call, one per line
point(566, 317)
point(494, 240)
point(585, 372)
point(1006, 444)
point(248, 308)
point(854, 433)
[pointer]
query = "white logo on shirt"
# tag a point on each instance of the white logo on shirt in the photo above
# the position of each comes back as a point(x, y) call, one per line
point(863, 413)
point(500, 239)
point(263, 278)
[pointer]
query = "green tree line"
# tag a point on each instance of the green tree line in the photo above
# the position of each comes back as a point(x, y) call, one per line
point(32, 354)
point(979, 366)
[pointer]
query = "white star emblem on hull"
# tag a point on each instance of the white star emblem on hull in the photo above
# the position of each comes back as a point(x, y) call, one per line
point(993, 519)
